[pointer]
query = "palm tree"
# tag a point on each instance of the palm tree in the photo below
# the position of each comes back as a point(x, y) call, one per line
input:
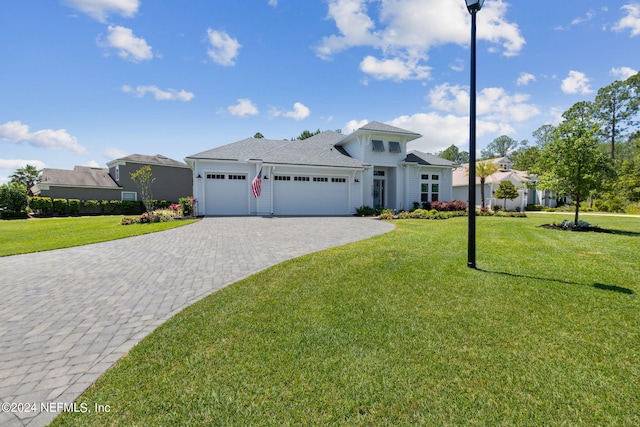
point(483, 171)
point(27, 176)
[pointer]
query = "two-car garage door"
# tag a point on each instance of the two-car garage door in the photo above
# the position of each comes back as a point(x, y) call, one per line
point(230, 194)
point(310, 195)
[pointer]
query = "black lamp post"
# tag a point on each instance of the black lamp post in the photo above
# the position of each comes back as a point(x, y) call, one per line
point(473, 6)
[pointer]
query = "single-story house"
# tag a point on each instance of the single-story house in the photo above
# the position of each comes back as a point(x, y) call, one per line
point(523, 181)
point(173, 180)
point(327, 174)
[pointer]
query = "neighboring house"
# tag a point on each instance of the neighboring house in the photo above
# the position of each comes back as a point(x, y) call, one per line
point(523, 181)
point(83, 183)
point(173, 180)
point(327, 174)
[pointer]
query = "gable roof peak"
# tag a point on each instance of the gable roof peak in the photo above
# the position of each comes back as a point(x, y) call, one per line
point(382, 127)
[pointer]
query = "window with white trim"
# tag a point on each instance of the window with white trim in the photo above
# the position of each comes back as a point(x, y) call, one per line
point(215, 176)
point(377, 144)
point(301, 178)
point(338, 179)
point(117, 172)
point(129, 195)
point(320, 179)
point(282, 178)
point(394, 147)
point(429, 190)
point(238, 177)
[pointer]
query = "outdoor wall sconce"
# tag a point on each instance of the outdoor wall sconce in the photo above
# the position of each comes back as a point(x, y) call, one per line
point(356, 180)
point(199, 176)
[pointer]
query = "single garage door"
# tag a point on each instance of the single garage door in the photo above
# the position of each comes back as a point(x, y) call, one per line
point(310, 195)
point(226, 194)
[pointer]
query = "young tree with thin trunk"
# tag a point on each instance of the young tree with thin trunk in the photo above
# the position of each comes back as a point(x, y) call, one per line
point(143, 177)
point(506, 190)
point(573, 164)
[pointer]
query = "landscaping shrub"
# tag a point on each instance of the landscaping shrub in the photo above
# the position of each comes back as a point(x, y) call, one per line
point(41, 204)
point(90, 207)
point(386, 214)
point(429, 214)
point(452, 206)
point(60, 206)
point(13, 197)
point(14, 215)
point(188, 206)
point(74, 206)
point(128, 207)
point(366, 211)
point(614, 204)
point(534, 207)
point(146, 218)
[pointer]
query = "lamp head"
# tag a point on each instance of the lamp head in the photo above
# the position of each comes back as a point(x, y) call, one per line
point(474, 5)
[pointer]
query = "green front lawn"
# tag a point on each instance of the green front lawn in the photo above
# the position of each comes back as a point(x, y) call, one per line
point(397, 331)
point(43, 234)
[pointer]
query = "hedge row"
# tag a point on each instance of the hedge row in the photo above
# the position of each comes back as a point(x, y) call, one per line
point(47, 206)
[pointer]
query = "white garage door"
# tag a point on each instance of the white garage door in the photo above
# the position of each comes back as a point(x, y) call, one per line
point(226, 194)
point(310, 195)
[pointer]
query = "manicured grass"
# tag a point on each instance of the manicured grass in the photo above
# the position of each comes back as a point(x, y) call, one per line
point(397, 331)
point(43, 234)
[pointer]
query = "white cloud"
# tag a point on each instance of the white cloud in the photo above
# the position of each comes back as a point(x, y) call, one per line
point(244, 107)
point(112, 153)
point(18, 163)
point(457, 65)
point(92, 164)
point(299, 112)
point(101, 9)
point(577, 82)
point(396, 69)
point(10, 165)
point(353, 125)
point(492, 103)
point(273, 3)
point(406, 30)
point(160, 95)
point(129, 46)
point(588, 17)
point(525, 78)
point(631, 21)
point(224, 49)
point(623, 73)
point(440, 131)
point(47, 138)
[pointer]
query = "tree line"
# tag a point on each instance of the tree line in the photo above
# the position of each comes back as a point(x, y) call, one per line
point(592, 156)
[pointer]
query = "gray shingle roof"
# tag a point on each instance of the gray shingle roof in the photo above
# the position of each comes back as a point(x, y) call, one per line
point(381, 127)
point(319, 150)
point(158, 159)
point(421, 158)
point(80, 176)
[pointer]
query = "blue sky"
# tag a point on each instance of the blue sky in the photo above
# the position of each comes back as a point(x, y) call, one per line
point(87, 81)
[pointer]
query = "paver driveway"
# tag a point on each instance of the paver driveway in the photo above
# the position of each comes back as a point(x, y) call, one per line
point(67, 315)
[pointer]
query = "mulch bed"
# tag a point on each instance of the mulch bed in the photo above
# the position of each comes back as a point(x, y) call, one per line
point(591, 228)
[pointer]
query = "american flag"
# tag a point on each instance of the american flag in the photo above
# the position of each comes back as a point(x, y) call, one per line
point(255, 184)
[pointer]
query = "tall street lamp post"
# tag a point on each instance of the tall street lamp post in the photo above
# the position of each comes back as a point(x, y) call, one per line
point(473, 6)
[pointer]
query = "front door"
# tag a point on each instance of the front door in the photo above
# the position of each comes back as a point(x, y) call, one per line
point(378, 193)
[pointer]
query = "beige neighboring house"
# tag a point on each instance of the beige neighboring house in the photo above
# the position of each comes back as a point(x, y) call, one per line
point(173, 180)
point(522, 180)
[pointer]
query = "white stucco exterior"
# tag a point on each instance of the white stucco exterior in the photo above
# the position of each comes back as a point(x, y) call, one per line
point(328, 174)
